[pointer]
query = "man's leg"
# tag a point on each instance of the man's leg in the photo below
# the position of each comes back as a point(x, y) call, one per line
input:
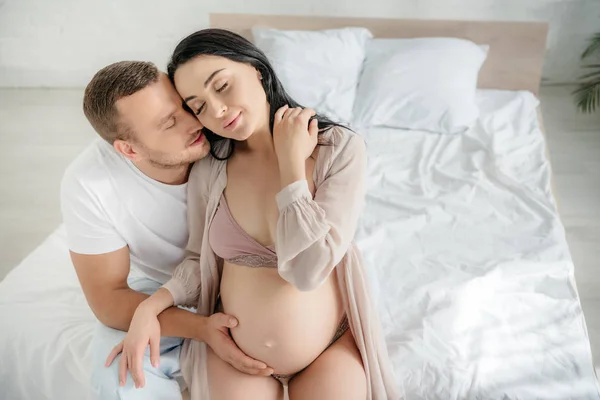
point(161, 382)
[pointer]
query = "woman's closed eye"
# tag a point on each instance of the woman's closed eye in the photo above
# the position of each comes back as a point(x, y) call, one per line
point(222, 87)
point(218, 90)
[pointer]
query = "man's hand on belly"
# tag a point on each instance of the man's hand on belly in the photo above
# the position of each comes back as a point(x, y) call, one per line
point(216, 335)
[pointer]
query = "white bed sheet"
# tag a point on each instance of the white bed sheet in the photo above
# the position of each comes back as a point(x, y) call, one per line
point(468, 259)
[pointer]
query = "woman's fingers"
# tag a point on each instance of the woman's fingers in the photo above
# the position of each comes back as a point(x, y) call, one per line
point(155, 351)
point(279, 113)
point(307, 113)
point(136, 369)
point(113, 354)
point(294, 113)
point(313, 127)
point(131, 370)
point(123, 370)
point(288, 113)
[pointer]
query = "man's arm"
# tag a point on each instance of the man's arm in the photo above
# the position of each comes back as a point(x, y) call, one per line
point(103, 278)
point(101, 259)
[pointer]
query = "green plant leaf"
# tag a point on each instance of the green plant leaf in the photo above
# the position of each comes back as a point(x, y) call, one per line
point(590, 75)
point(587, 95)
point(592, 47)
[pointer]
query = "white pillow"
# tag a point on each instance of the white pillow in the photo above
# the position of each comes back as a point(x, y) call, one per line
point(318, 69)
point(421, 84)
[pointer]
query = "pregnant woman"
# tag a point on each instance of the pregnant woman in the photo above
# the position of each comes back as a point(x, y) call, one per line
point(272, 216)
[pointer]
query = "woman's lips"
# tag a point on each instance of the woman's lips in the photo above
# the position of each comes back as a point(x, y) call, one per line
point(231, 124)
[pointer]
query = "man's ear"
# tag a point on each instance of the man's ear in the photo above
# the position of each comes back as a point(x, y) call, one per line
point(126, 149)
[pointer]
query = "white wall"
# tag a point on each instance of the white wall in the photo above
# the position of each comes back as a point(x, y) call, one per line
point(63, 42)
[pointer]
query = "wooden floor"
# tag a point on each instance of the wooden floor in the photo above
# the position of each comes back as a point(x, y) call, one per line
point(41, 131)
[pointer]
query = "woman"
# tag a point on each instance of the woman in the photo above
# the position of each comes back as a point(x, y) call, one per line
point(272, 216)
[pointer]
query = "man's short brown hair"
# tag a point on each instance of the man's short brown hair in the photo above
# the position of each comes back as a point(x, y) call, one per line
point(110, 84)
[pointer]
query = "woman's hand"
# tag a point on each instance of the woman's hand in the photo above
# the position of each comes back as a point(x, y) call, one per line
point(144, 330)
point(294, 140)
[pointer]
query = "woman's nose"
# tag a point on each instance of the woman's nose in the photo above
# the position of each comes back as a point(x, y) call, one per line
point(219, 109)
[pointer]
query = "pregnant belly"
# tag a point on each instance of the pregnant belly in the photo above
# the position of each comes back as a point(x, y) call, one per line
point(278, 324)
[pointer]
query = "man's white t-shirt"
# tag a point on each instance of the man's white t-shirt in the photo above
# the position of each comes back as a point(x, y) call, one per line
point(108, 203)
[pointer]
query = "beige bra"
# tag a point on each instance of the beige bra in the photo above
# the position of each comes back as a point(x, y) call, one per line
point(230, 242)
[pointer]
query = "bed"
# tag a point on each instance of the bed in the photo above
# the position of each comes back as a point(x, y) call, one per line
point(466, 252)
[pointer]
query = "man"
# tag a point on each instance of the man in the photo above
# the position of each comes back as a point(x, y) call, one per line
point(124, 207)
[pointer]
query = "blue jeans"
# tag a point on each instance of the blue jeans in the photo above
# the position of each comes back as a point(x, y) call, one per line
point(161, 383)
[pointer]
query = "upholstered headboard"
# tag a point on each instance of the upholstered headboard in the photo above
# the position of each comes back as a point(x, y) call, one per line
point(514, 61)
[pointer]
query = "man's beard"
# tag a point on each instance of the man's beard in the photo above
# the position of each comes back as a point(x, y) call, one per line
point(163, 160)
point(161, 164)
point(160, 159)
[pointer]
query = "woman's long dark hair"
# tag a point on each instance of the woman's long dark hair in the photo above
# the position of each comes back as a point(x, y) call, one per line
point(223, 43)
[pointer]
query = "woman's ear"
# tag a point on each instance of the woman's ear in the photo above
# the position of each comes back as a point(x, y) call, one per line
point(258, 75)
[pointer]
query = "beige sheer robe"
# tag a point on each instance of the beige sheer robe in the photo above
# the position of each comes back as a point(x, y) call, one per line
point(314, 239)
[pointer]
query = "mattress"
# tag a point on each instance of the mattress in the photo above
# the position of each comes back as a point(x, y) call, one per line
point(467, 257)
